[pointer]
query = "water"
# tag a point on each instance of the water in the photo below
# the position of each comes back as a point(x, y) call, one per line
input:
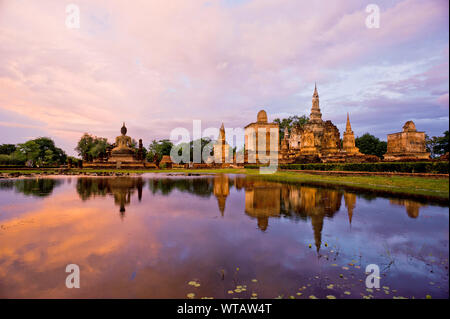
point(150, 236)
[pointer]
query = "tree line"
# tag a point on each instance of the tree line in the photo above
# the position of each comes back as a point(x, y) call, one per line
point(42, 151)
point(92, 147)
point(37, 152)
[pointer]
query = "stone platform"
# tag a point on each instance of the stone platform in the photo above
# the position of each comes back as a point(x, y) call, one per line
point(121, 158)
point(406, 157)
point(120, 165)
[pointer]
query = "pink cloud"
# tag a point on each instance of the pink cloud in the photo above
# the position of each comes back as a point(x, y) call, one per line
point(156, 64)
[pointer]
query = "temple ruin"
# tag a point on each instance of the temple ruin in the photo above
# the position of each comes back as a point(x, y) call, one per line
point(319, 141)
point(261, 140)
point(406, 145)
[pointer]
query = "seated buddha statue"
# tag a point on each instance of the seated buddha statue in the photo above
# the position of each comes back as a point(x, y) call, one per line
point(123, 143)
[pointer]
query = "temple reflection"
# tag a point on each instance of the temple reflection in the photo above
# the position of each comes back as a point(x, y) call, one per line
point(412, 207)
point(122, 188)
point(315, 204)
point(221, 188)
point(350, 203)
point(265, 200)
point(262, 200)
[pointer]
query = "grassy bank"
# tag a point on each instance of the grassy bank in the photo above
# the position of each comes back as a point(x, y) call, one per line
point(414, 186)
point(399, 167)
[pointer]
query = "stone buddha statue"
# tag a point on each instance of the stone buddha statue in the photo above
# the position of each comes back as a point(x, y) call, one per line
point(123, 143)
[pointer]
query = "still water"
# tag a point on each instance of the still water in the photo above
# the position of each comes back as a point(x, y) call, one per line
point(220, 236)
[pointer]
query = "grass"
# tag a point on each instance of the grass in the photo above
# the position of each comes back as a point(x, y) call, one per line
point(406, 185)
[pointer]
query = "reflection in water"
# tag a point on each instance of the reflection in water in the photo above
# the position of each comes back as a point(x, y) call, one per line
point(171, 236)
point(196, 186)
point(262, 201)
point(315, 203)
point(350, 203)
point(120, 187)
point(412, 207)
point(39, 187)
point(221, 191)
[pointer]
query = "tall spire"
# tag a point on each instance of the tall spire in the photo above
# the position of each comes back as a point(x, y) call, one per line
point(348, 127)
point(222, 133)
point(315, 115)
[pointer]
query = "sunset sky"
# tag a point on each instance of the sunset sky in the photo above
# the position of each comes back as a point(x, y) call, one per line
point(158, 65)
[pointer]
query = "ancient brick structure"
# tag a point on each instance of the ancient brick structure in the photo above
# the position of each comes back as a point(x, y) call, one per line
point(140, 152)
point(319, 141)
point(406, 145)
point(348, 143)
point(122, 154)
point(261, 140)
point(284, 148)
point(318, 137)
point(222, 149)
point(165, 162)
point(294, 139)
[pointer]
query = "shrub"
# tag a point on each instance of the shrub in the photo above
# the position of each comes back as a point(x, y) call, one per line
point(10, 160)
point(398, 167)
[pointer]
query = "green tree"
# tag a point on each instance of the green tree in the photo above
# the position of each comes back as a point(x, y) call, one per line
point(158, 149)
point(7, 149)
point(92, 146)
point(39, 152)
point(85, 143)
point(6, 159)
point(290, 122)
point(437, 145)
point(371, 145)
point(205, 146)
point(48, 153)
point(99, 147)
point(28, 152)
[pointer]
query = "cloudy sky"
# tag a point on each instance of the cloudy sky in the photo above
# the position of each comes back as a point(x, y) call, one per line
point(158, 65)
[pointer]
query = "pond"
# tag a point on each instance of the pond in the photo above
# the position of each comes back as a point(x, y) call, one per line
point(219, 236)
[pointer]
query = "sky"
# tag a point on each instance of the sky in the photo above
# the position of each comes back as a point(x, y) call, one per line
point(159, 65)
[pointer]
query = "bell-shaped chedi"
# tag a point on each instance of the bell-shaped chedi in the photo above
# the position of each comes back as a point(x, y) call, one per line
point(406, 145)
